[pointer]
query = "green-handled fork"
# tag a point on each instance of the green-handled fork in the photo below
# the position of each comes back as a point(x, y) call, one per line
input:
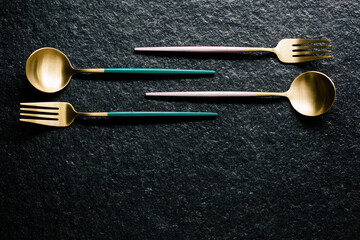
point(287, 50)
point(62, 114)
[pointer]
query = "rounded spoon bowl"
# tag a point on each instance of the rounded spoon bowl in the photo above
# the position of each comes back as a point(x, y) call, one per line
point(49, 70)
point(312, 93)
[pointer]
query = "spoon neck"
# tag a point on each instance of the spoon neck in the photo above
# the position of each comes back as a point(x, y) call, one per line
point(90, 70)
point(271, 94)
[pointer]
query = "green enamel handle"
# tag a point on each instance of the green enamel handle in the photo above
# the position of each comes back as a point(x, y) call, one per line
point(162, 114)
point(157, 71)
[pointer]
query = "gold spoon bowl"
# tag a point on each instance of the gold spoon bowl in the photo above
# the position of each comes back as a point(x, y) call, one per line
point(312, 93)
point(49, 70)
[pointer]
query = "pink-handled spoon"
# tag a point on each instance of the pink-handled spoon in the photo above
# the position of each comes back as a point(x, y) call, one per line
point(311, 93)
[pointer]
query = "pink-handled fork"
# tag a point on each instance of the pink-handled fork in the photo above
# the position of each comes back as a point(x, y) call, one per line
point(287, 50)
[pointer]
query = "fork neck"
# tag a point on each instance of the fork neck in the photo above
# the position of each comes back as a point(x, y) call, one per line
point(259, 49)
point(93, 114)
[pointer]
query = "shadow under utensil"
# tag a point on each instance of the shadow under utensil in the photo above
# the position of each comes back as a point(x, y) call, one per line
point(28, 131)
point(134, 121)
point(221, 100)
point(137, 76)
point(317, 122)
point(305, 66)
point(217, 56)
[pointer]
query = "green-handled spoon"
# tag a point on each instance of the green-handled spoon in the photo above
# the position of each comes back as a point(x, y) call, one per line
point(49, 70)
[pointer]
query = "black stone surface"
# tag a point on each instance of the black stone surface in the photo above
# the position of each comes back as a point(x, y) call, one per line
point(258, 171)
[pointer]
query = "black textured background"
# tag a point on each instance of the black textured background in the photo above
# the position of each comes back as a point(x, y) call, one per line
point(258, 171)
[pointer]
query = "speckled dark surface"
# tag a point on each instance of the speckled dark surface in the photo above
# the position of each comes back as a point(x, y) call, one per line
point(259, 171)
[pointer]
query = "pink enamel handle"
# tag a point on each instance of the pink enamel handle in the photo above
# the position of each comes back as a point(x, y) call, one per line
point(217, 94)
point(202, 94)
point(192, 49)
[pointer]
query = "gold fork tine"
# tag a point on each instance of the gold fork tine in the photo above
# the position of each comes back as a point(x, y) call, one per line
point(40, 115)
point(44, 113)
point(40, 121)
point(43, 110)
point(48, 107)
point(311, 58)
point(310, 47)
point(308, 41)
point(42, 104)
point(297, 53)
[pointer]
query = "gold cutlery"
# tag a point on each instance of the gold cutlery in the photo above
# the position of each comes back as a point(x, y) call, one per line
point(49, 70)
point(311, 93)
point(287, 50)
point(62, 114)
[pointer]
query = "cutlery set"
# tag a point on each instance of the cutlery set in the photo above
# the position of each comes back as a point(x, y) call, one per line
point(49, 70)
